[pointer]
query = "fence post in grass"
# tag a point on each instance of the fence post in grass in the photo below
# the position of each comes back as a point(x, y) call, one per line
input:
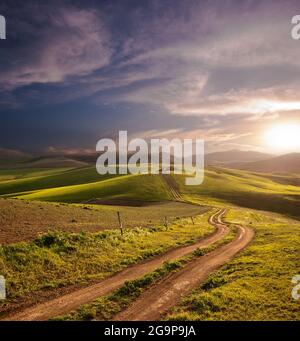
point(193, 220)
point(166, 223)
point(120, 223)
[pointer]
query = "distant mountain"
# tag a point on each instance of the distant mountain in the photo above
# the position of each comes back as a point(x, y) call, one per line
point(53, 162)
point(89, 158)
point(217, 158)
point(12, 156)
point(234, 156)
point(289, 163)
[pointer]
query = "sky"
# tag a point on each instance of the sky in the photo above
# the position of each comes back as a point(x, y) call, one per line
point(72, 72)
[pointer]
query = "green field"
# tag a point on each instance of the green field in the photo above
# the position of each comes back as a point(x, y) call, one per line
point(54, 221)
point(221, 186)
point(106, 307)
point(257, 284)
point(29, 179)
point(22, 173)
point(244, 189)
point(60, 259)
point(83, 184)
point(25, 220)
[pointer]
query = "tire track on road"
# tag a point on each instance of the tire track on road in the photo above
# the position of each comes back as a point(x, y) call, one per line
point(68, 302)
point(156, 301)
point(173, 186)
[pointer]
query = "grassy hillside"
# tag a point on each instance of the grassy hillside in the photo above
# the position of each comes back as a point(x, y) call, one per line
point(275, 193)
point(257, 284)
point(284, 179)
point(128, 187)
point(33, 179)
point(59, 259)
point(22, 173)
point(51, 162)
point(24, 220)
point(243, 189)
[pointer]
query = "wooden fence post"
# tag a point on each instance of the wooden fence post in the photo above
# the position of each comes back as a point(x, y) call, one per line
point(120, 223)
point(166, 223)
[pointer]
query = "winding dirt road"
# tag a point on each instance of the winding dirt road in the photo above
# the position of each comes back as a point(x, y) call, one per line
point(71, 301)
point(173, 186)
point(152, 304)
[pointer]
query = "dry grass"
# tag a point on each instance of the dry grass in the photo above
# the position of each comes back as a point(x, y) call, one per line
point(25, 220)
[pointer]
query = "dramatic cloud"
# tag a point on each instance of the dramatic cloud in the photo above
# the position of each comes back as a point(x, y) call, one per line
point(71, 43)
point(233, 63)
point(220, 70)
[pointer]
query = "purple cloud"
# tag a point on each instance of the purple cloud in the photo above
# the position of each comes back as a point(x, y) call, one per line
point(72, 43)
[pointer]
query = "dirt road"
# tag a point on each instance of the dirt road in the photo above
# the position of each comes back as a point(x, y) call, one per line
point(160, 298)
point(173, 186)
point(71, 301)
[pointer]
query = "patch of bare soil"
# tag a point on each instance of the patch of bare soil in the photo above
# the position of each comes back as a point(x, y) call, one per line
point(68, 302)
point(122, 202)
point(24, 220)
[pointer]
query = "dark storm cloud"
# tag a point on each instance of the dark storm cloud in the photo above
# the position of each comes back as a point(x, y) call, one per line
point(86, 68)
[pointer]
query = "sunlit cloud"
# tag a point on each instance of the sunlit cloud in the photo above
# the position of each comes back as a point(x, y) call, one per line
point(218, 70)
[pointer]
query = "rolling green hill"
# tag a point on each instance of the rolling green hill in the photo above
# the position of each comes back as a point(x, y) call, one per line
point(127, 187)
point(221, 186)
point(30, 180)
point(22, 173)
point(243, 189)
point(73, 226)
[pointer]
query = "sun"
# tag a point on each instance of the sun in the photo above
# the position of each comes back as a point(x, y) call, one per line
point(284, 137)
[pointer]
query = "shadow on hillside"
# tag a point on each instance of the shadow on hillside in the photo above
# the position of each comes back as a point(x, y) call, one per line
point(288, 205)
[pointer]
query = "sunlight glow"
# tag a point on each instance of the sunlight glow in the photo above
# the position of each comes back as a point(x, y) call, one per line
point(275, 106)
point(284, 137)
